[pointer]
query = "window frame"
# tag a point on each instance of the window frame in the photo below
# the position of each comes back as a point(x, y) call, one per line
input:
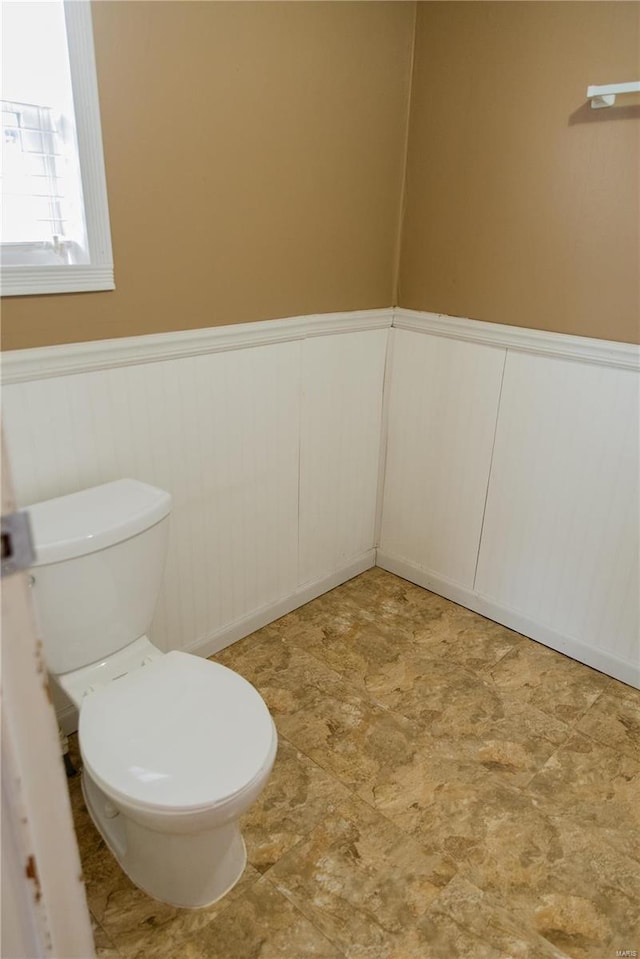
point(17, 280)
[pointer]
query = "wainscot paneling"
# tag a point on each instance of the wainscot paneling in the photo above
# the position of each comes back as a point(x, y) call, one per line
point(258, 468)
point(443, 403)
point(219, 431)
point(508, 459)
point(539, 528)
point(561, 531)
point(341, 411)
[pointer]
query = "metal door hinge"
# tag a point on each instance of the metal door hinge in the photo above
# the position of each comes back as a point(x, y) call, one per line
point(17, 544)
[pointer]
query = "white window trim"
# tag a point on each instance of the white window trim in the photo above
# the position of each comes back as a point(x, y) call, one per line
point(98, 274)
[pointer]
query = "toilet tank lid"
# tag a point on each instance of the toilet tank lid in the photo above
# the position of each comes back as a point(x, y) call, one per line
point(92, 519)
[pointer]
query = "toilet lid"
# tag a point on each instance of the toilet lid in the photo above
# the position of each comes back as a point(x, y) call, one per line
point(182, 733)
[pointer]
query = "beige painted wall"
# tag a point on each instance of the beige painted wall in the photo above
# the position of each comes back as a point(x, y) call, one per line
point(254, 156)
point(522, 202)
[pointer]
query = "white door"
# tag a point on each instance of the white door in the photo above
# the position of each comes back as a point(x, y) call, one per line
point(44, 908)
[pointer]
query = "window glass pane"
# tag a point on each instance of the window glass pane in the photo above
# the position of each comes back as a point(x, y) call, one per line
point(42, 210)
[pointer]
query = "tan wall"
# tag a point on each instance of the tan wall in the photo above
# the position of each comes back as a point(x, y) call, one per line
point(254, 156)
point(522, 202)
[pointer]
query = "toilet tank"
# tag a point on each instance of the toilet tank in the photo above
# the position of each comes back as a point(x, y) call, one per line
point(100, 557)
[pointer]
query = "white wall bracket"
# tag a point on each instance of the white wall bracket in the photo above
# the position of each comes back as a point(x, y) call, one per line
point(605, 95)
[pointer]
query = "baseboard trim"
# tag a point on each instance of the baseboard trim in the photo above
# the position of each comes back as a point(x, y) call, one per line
point(604, 662)
point(232, 632)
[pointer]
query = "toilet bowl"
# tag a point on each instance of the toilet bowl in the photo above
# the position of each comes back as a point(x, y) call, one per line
point(175, 748)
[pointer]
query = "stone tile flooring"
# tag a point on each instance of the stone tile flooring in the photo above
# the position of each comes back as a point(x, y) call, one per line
point(444, 787)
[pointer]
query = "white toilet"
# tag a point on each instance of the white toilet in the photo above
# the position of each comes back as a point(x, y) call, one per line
point(175, 748)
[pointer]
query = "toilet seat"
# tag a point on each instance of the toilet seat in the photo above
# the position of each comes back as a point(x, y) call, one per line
point(179, 735)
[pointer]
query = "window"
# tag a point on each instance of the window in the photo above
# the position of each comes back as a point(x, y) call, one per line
point(55, 234)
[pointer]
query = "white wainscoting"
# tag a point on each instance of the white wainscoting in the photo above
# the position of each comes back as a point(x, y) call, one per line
point(341, 412)
point(219, 431)
point(554, 523)
point(560, 539)
point(508, 459)
point(256, 475)
point(443, 402)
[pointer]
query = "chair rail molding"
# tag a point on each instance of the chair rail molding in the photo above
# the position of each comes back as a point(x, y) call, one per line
point(624, 356)
point(20, 366)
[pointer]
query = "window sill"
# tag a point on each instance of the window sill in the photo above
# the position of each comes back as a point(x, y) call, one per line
point(37, 280)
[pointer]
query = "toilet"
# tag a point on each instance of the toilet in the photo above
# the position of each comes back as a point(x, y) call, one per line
point(174, 748)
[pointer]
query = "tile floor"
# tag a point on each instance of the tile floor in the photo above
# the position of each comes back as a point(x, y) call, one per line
point(444, 788)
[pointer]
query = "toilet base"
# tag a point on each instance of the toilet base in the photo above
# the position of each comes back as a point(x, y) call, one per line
point(188, 870)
